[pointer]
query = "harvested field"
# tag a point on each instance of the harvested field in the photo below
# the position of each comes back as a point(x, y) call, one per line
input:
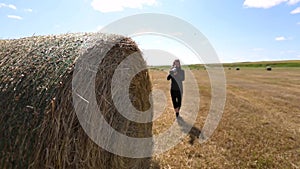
point(260, 127)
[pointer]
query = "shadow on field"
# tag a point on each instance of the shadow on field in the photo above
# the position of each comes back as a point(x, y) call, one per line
point(193, 132)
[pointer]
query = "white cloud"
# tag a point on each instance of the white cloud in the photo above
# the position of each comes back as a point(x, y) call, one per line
point(99, 28)
point(28, 10)
point(296, 11)
point(280, 38)
point(267, 3)
point(262, 3)
point(258, 49)
point(291, 51)
point(8, 6)
point(298, 23)
point(12, 6)
point(293, 2)
point(14, 17)
point(57, 26)
point(288, 52)
point(120, 5)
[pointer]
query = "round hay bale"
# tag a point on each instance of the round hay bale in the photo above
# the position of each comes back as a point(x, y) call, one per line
point(269, 68)
point(237, 68)
point(38, 123)
point(229, 68)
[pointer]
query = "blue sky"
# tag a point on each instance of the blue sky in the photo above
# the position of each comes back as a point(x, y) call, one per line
point(242, 30)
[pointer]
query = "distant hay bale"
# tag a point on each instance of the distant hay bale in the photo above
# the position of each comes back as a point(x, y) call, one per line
point(237, 68)
point(38, 123)
point(269, 68)
point(229, 68)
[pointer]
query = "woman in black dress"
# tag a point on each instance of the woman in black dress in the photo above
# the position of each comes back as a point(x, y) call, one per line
point(177, 76)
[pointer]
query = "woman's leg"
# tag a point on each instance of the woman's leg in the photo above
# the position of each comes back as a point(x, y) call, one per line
point(174, 99)
point(174, 95)
point(179, 99)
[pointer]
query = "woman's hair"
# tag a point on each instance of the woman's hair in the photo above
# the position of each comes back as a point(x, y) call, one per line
point(177, 60)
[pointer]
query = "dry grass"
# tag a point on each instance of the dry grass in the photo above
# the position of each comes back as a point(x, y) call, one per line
point(260, 127)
